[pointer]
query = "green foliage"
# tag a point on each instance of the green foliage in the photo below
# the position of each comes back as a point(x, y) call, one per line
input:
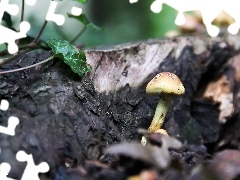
point(70, 54)
point(162, 22)
point(81, 1)
point(83, 19)
point(7, 19)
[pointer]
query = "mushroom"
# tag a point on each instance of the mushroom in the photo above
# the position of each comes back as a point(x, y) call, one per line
point(160, 131)
point(166, 85)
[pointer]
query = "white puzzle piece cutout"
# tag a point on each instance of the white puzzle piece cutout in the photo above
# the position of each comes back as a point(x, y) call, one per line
point(31, 171)
point(4, 170)
point(209, 11)
point(133, 1)
point(12, 123)
point(4, 105)
point(59, 19)
point(7, 35)
point(30, 2)
point(6, 7)
point(76, 11)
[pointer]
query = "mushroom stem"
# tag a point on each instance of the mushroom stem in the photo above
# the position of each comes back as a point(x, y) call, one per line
point(160, 113)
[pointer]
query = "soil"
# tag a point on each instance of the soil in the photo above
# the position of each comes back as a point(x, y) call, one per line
point(73, 122)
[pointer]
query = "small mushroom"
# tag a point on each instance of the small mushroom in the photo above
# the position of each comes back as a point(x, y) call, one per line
point(166, 85)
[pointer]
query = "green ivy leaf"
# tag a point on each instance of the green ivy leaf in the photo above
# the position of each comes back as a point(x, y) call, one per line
point(83, 19)
point(70, 54)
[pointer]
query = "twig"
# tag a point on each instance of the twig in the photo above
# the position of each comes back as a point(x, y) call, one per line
point(22, 11)
point(20, 47)
point(40, 32)
point(35, 41)
point(31, 45)
point(79, 34)
point(20, 69)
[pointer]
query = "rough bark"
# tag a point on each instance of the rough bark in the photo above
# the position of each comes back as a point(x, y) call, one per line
point(63, 116)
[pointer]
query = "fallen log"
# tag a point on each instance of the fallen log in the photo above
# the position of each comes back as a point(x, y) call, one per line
point(63, 116)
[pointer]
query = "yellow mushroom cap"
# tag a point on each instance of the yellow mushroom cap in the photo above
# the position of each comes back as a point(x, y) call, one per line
point(165, 82)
